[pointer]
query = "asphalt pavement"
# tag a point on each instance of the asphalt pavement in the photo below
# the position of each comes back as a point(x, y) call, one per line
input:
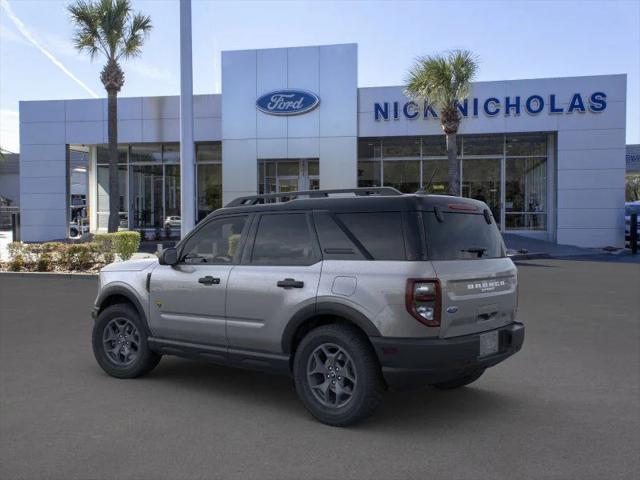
point(566, 407)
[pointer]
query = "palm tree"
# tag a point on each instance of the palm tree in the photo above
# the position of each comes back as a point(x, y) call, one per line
point(112, 29)
point(444, 81)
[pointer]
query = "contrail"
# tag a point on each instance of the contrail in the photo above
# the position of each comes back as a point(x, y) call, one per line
point(27, 34)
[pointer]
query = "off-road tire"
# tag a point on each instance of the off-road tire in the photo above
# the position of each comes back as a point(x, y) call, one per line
point(367, 393)
point(460, 381)
point(145, 360)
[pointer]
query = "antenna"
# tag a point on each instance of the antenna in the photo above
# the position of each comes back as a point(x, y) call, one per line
point(435, 170)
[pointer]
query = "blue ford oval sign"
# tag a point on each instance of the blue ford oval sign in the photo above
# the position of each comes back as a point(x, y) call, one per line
point(287, 102)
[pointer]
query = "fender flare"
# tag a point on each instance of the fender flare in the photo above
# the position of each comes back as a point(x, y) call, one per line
point(326, 308)
point(123, 291)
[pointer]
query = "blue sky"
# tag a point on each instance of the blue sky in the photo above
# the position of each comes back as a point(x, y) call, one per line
point(513, 40)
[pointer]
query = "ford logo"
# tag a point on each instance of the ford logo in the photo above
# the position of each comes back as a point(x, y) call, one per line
point(287, 102)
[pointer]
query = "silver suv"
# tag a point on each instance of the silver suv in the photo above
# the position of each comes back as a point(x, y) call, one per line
point(349, 292)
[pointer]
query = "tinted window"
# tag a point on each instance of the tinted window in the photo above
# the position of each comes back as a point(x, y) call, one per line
point(283, 240)
point(334, 242)
point(379, 233)
point(462, 236)
point(215, 243)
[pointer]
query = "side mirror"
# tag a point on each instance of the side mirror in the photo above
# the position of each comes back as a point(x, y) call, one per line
point(168, 256)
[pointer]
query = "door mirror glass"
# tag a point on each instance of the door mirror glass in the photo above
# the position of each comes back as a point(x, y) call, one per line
point(169, 256)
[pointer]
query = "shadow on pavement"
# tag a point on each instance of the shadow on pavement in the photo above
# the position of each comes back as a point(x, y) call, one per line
point(410, 410)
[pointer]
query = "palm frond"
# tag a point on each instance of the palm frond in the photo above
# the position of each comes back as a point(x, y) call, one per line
point(139, 28)
point(442, 80)
point(109, 27)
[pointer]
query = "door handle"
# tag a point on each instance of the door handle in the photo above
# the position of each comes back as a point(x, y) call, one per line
point(209, 280)
point(290, 283)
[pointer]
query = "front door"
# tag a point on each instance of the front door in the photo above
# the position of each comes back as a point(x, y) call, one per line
point(187, 300)
point(278, 276)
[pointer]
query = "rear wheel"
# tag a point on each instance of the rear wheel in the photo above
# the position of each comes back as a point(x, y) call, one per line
point(337, 375)
point(120, 343)
point(460, 381)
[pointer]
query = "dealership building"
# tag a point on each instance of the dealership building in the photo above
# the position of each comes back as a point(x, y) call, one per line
point(547, 155)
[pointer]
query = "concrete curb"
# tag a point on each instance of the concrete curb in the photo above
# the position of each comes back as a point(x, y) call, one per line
point(80, 276)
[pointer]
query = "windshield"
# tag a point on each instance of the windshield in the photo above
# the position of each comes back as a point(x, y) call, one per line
point(462, 236)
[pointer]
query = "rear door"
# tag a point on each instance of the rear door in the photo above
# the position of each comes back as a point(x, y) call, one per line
point(278, 276)
point(187, 300)
point(478, 282)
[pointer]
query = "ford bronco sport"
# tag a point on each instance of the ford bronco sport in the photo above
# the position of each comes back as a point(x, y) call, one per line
point(349, 292)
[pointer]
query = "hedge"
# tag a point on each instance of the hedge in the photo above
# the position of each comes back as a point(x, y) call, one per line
point(56, 256)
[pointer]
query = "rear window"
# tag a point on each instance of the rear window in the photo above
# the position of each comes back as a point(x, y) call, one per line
point(462, 236)
point(380, 233)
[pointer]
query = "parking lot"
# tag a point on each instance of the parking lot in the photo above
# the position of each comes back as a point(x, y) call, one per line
point(566, 407)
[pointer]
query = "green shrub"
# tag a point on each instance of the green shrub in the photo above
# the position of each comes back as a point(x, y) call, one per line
point(80, 256)
point(125, 244)
point(44, 263)
point(16, 264)
point(104, 240)
point(16, 248)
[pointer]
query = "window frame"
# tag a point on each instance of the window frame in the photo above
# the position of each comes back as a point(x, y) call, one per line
point(241, 244)
point(247, 253)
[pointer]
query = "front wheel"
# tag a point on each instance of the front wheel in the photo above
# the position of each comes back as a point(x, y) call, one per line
point(337, 375)
point(120, 343)
point(460, 381)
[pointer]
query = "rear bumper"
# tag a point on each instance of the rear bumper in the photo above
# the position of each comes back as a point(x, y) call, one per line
point(415, 362)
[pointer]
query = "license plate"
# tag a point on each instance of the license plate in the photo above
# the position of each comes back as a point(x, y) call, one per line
point(488, 344)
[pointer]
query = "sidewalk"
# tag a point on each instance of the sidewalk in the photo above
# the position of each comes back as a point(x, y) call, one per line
point(524, 248)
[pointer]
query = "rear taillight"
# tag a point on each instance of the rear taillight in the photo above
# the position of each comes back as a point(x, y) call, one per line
point(422, 299)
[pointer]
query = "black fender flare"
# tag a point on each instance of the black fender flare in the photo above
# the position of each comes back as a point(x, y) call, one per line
point(122, 291)
point(326, 308)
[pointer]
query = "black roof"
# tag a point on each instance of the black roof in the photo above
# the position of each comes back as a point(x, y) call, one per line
point(370, 203)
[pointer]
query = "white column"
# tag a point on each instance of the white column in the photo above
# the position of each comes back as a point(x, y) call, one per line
point(187, 147)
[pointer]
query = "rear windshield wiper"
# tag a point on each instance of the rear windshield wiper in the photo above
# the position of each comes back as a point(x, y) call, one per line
point(477, 250)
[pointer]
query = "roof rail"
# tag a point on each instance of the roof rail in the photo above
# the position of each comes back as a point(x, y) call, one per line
point(359, 192)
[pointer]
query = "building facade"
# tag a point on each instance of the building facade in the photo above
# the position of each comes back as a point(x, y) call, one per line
point(547, 155)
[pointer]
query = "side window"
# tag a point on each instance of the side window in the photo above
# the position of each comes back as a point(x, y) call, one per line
point(334, 241)
point(380, 233)
point(216, 243)
point(283, 239)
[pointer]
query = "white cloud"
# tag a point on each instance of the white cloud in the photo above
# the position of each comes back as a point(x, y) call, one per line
point(9, 130)
point(22, 28)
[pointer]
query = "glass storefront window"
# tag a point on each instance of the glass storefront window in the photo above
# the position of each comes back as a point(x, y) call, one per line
point(526, 145)
point(103, 195)
point(526, 193)
point(209, 152)
point(209, 188)
point(369, 174)
point(401, 147)
point(171, 153)
point(435, 146)
point(103, 154)
point(146, 193)
point(403, 175)
point(172, 191)
point(482, 145)
point(145, 153)
point(481, 180)
point(209, 178)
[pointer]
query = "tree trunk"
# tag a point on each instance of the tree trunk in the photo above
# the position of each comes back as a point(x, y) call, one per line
point(453, 164)
point(114, 193)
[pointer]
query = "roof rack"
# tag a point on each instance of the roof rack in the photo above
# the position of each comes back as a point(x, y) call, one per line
point(359, 192)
